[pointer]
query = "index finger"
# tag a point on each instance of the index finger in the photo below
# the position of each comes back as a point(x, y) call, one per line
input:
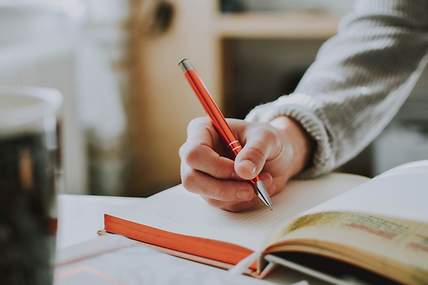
point(201, 151)
point(201, 131)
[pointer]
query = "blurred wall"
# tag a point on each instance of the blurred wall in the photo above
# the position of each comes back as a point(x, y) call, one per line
point(76, 47)
point(34, 51)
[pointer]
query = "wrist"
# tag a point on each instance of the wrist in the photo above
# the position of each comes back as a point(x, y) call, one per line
point(295, 137)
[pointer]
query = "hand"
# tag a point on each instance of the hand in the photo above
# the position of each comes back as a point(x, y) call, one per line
point(277, 151)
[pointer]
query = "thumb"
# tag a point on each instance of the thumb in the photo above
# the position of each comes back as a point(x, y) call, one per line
point(251, 159)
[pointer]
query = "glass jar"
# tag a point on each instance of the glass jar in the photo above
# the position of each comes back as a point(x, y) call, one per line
point(28, 166)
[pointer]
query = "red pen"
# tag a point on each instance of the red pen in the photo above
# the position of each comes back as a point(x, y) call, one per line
point(220, 123)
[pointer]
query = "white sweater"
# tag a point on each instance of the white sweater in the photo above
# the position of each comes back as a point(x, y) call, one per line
point(359, 80)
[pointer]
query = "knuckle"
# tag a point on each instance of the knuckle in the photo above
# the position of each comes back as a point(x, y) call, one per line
point(189, 154)
point(275, 141)
point(255, 153)
point(231, 207)
point(192, 155)
point(218, 193)
point(213, 203)
point(221, 172)
point(244, 206)
point(188, 180)
point(270, 135)
point(196, 123)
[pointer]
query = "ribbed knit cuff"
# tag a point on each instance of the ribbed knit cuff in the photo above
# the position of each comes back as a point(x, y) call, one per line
point(303, 109)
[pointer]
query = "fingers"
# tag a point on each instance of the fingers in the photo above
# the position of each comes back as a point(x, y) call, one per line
point(234, 207)
point(261, 144)
point(203, 158)
point(201, 131)
point(218, 179)
point(199, 151)
point(239, 206)
point(212, 188)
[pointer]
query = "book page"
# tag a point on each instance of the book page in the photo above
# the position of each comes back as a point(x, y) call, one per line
point(401, 192)
point(386, 217)
point(179, 211)
point(411, 167)
point(394, 247)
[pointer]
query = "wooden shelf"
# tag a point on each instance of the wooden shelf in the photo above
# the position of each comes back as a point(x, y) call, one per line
point(276, 26)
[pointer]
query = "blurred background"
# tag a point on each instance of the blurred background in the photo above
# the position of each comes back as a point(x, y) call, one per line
point(126, 102)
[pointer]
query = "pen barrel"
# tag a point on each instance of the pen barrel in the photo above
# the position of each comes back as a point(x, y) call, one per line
point(235, 147)
point(212, 109)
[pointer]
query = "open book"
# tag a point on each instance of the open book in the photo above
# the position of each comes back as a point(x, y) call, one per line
point(336, 226)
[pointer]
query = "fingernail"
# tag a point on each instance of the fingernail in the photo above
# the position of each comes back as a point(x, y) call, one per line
point(244, 195)
point(249, 165)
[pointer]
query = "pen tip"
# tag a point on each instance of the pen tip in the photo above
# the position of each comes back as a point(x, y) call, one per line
point(263, 194)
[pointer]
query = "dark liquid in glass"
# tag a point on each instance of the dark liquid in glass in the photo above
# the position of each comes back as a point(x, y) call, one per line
point(27, 194)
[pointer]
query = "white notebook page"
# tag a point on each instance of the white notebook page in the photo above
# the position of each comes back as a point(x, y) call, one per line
point(401, 192)
point(178, 211)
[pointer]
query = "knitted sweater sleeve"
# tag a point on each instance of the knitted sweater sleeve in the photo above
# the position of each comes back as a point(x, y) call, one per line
point(359, 80)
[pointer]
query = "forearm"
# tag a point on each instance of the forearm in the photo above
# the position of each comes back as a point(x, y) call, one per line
point(358, 81)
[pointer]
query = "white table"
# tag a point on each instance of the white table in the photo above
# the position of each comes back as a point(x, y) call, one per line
point(81, 216)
